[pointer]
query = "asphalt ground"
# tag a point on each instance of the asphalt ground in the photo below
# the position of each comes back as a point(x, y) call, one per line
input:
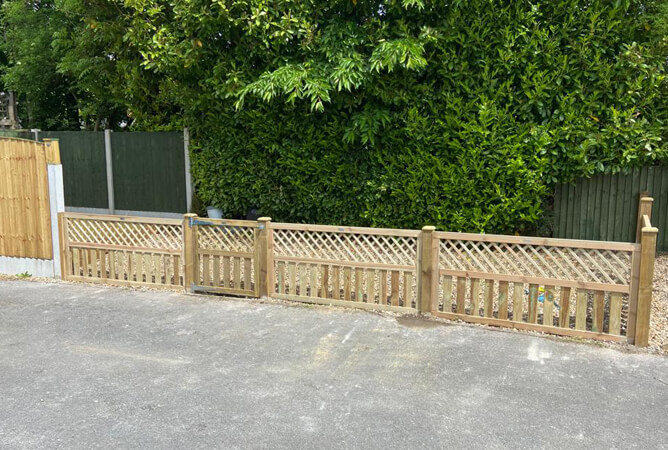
point(99, 367)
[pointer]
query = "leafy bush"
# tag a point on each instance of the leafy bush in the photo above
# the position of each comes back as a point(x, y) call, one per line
point(462, 115)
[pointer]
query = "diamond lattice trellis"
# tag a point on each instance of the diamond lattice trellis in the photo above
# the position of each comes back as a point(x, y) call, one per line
point(226, 237)
point(346, 247)
point(125, 234)
point(560, 263)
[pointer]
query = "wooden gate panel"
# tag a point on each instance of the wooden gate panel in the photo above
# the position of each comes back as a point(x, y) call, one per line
point(225, 256)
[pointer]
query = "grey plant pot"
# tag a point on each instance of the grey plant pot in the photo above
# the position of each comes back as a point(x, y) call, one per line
point(214, 213)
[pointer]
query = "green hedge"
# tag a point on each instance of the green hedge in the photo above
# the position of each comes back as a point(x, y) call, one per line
point(462, 116)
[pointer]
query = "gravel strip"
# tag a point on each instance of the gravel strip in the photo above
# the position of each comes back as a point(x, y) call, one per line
point(658, 337)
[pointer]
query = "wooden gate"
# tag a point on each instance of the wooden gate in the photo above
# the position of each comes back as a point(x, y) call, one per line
point(25, 214)
point(221, 256)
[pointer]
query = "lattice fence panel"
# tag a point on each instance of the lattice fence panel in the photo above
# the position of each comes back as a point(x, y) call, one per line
point(559, 263)
point(346, 247)
point(124, 234)
point(226, 237)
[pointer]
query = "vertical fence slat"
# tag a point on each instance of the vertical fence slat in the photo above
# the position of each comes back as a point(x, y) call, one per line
point(280, 277)
point(371, 286)
point(292, 288)
point(447, 293)
point(518, 300)
point(503, 300)
point(394, 286)
point(615, 320)
point(346, 283)
point(533, 304)
point(324, 281)
point(382, 279)
point(489, 298)
point(475, 296)
point(597, 311)
point(581, 310)
point(461, 295)
point(408, 290)
point(548, 306)
point(216, 270)
point(359, 293)
point(313, 269)
point(336, 282)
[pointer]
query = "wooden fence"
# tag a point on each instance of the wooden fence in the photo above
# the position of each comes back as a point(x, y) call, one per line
point(125, 251)
point(365, 267)
point(25, 223)
point(574, 288)
point(602, 207)
point(123, 171)
point(592, 289)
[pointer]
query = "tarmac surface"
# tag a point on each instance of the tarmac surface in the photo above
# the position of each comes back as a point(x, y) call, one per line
point(98, 367)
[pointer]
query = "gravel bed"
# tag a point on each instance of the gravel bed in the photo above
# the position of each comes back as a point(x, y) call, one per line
point(658, 337)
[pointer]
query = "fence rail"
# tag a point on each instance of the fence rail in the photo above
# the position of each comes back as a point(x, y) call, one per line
point(592, 289)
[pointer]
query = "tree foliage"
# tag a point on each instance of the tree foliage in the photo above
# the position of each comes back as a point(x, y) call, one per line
point(382, 112)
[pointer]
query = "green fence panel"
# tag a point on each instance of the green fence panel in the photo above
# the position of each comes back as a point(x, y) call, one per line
point(84, 167)
point(21, 134)
point(149, 172)
point(605, 207)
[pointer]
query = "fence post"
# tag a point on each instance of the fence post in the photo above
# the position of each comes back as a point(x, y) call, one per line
point(647, 253)
point(426, 269)
point(264, 256)
point(54, 171)
point(644, 208)
point(110, 171)
point(186, 155)
point(189, 251)
point(64, 250)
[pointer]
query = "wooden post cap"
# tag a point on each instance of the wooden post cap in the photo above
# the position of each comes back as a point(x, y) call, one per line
point(429, 228)
point(264, 219)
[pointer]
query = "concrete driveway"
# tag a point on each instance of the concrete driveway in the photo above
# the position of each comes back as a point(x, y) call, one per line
point(84, 366)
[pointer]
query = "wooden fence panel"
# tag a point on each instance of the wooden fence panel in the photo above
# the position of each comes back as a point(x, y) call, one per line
point(567, 287)
point(346, 266)
point(604, 207)
point(126, 251)
point(149, 172)
point(25, 223)
point(84, 167)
